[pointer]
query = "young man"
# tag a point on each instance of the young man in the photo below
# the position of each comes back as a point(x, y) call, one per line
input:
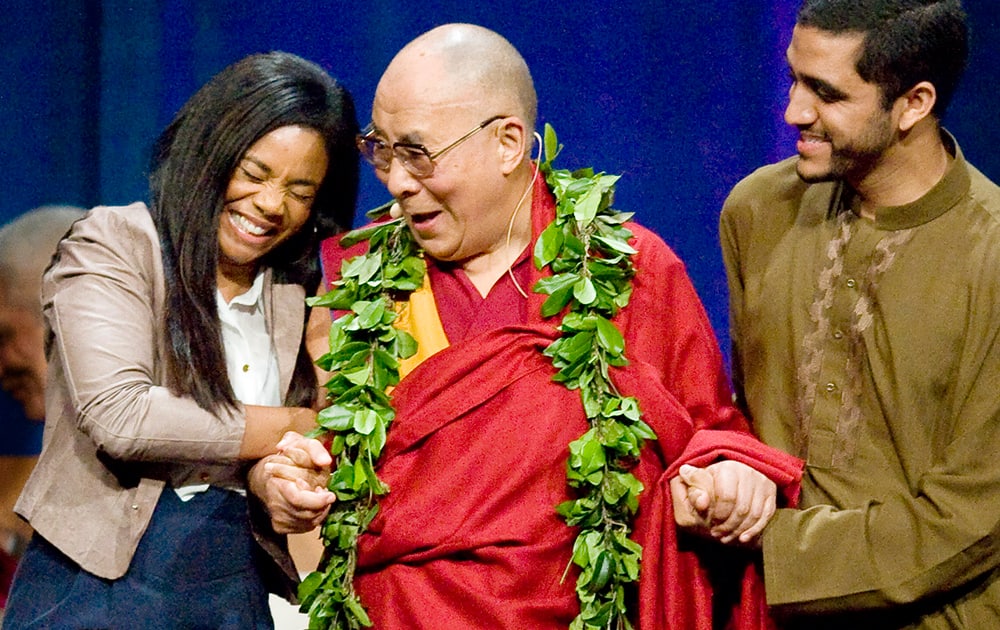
point(865, 305)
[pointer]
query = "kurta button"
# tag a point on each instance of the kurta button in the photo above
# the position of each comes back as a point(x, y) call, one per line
point(246, 367)
point(838, 335)
point(851, 283)
point(830, 387)
point(135, 507)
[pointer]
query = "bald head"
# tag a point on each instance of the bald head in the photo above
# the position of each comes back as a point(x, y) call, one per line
point(463, 96)
point(470, 64)
point(26, 247)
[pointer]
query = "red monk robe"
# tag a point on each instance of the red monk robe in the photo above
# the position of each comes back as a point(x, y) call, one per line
point(476, 460)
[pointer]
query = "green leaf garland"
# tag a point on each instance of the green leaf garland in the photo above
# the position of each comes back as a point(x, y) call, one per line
point(365, 349)
point(587, 250)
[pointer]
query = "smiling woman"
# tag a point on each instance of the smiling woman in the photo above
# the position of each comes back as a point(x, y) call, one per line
point(178, 360)
point(269, 198)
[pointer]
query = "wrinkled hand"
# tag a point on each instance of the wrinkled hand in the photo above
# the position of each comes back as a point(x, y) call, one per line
point(692, 492)
point(292, 484)
point(727, 500)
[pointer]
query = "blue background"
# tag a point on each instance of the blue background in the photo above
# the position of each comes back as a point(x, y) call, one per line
point(682, 97)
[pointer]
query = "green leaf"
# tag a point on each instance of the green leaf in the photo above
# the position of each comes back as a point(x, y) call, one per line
point(621, 300)
point(574, 247)
point(555, 283)
point(358, 611)
point(367, 467)
point(337, 446)
point(552, 146)
point(603, 567)
point(386, 360)
point(575, 322)
point(584, 292)
point(586, 207)
point(600, 616)
point(410, 276)
point(619, 217)
point(581, 552)
point(406, 345)
point(376, 439)
point(548, 245)
point(335, 418)
point(362, 268)
point(364, 421)
point(340, 298)
point(630, 409)
point(590, 454)
point(557, 301)
point(370, 314)
point(607, 182)
point(635, 488)
point(576, 346)
point(307, 587)
point(614, 488)
point(591, 402)
point(342, 481)
point(616, 244)
point(609, 337)
point(381, 211)
point(604, 269)
point(360, 474)
point(630, 563)
point(358, 376)
point(348, 350)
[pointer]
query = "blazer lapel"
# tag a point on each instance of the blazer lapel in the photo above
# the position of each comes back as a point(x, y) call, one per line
point(285, 308)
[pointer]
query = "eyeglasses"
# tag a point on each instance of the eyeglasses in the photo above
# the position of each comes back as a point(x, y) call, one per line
point(415, 158)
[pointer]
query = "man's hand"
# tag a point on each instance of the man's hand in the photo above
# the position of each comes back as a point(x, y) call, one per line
point(727, 500)
point(292, 484)
point(693, 493)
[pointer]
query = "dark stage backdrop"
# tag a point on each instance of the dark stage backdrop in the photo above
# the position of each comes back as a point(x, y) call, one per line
point(682, 97)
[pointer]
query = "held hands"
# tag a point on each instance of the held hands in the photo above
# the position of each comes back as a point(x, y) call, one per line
point(292, 484)
point(728, 501)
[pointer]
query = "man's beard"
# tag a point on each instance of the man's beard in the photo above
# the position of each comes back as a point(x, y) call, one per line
point(859, 156)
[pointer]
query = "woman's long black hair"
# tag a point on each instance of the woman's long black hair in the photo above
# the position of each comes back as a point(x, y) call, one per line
point(192, 162)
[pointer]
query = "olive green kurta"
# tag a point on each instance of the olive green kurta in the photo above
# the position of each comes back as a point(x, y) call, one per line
point(872, 350)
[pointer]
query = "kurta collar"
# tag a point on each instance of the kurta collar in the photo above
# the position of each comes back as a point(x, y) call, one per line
point(938, 200)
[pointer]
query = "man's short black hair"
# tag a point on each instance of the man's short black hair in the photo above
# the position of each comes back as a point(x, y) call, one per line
point(906, 42)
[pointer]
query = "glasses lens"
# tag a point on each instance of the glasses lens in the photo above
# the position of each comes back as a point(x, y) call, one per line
point(415, 160)
point(375, 151)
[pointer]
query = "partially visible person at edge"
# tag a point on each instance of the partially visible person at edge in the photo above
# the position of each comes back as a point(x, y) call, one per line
point(26, 247)
point(866, 321)
point(476, 457)
point(176, 357)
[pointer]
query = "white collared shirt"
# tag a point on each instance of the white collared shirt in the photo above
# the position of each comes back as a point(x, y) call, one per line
point(251, 362)
point(250, 359)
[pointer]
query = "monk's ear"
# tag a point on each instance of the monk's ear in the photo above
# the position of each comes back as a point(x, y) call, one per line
point(514, 143)
point(916, 104)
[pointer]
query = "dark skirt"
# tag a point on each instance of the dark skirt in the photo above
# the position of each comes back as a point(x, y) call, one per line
point(195, 567)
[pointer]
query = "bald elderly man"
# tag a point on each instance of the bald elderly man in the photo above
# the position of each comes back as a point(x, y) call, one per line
point(476, 457)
